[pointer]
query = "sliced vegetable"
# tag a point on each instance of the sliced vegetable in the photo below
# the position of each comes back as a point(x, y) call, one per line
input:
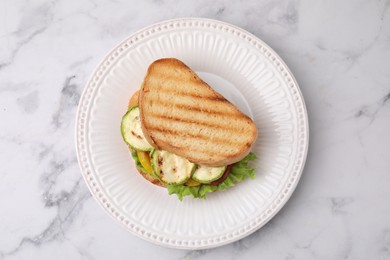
point(239, 172)
point(131, 131)
point(136, 159)
point(223, 177)
point(192, 183)
point(206, 174)
point(144, 159)
point(170, 168)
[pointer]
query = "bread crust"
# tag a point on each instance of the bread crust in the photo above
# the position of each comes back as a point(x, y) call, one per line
point(186, 129)
point(151, 179)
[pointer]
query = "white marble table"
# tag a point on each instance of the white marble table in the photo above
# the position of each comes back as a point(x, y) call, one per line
point(339, 52)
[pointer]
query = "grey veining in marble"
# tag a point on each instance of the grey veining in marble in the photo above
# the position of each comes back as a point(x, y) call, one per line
point(339, 52)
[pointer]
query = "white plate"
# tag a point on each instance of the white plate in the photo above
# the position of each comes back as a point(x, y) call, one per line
point(247, 72)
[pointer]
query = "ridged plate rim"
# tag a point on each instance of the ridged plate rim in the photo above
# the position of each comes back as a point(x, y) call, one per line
point(82, 141)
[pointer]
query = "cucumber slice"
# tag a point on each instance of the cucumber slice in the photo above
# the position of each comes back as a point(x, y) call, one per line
point(131, 131)
point(206, 174)
point(170, 168)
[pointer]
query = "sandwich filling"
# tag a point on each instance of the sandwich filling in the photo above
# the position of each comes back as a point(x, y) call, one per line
point(180, 176)
point(184, 135)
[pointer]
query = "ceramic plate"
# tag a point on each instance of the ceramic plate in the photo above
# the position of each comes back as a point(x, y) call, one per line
point(243, 69)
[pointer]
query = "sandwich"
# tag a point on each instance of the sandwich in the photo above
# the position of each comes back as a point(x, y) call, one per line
point(185, 136)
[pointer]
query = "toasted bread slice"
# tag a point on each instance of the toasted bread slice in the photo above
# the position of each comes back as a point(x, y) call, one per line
point(183, 115)
point(133, 100)
point(152, 179)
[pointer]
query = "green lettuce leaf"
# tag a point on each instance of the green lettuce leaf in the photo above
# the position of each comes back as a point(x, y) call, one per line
point(239, 172)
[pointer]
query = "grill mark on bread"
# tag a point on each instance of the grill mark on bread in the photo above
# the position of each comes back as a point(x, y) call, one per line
point(208, 152)
point(213, 140)
point(183, 94)
point(187, 108)
point(194, 100)
point(228, 128)
point(176, 133)
point(199, 109)
point(173, 75)
point(197, 96)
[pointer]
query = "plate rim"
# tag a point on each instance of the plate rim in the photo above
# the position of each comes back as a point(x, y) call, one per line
point(81, 143)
